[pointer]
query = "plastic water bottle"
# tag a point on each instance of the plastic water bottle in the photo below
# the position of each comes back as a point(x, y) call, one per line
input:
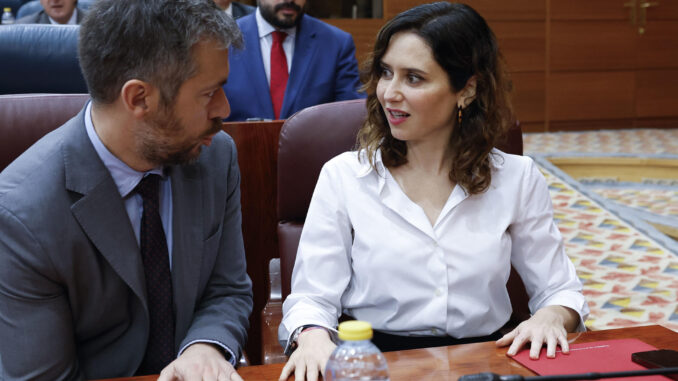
point(356, 358)
point(7, 16)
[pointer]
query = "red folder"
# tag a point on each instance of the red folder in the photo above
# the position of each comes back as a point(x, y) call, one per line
point(598, 356)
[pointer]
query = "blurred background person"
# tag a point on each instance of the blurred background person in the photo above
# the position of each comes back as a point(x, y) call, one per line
point(64, 12)
point(291, 61)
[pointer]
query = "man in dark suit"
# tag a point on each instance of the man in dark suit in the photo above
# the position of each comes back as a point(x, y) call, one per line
point(55, 12)
point(234, 8)
point(121, 250)
point(320, 64)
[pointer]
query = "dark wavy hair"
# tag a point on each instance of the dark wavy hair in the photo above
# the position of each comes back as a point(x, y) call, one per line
point(464, 46)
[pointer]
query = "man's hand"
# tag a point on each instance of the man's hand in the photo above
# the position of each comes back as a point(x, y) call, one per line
point(548, 326)
point(200, 361)
point(310, 357)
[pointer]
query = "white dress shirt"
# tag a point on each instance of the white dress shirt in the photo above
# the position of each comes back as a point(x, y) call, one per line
point(366, 249)
point(266, 41)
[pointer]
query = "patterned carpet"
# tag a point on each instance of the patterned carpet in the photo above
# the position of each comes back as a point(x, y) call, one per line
point(629, 268)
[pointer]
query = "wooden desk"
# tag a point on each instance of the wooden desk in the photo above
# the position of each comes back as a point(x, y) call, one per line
point(449, 363)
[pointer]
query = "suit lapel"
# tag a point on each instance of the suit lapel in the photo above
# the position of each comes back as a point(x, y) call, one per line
point(43, 18)
point(304, 49)
point(100, 210)
point(252, 63)
point(188, 235)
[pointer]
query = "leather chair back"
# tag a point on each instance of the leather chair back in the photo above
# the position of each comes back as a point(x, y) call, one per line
point(40, 58)
point(310, 138)
point(28, 8)
point(25, 118)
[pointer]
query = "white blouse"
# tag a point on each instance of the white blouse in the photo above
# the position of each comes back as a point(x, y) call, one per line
point(366, 249)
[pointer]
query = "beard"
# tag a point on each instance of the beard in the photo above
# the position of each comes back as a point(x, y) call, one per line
point(268, 12)
point(157, 141)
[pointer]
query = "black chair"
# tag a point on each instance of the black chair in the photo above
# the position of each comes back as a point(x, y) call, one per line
point(40, 58)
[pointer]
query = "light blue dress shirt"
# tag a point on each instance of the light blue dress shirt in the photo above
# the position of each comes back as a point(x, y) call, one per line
point(126, 179)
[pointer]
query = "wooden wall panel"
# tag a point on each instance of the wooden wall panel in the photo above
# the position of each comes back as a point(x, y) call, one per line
point(489, 9)
point(658, 47)
point(364, 32)
point(657, 94)
point(591, 95)
point(589, 10)
point(592, 45)
point(522, 43)
point(529, 94)
point(665, 10)
point(532, 127)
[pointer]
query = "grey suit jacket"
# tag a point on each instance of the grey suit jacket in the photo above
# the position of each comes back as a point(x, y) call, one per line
point(72, 289)
point(42, 18)
point(239, 10)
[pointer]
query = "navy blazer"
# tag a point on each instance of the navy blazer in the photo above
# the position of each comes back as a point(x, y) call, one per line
point(324, 69)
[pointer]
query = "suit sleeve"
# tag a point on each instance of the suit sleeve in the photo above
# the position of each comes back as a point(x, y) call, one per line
point(36, 326)
point(223, 311)
point(347, 78)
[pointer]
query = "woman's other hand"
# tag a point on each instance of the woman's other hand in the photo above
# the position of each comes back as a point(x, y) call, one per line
point(548, 326)
point(313, 350)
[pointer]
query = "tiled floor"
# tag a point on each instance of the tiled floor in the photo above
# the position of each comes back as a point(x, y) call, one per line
point(630, 278)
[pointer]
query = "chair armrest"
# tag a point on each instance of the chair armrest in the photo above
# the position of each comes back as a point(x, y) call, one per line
point(271, 316)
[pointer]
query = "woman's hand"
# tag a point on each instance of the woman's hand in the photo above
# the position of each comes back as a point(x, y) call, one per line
point(548, 326)
point(313, 350)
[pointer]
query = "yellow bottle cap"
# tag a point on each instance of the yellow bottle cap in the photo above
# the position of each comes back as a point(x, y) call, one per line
point(354, 330)
point(7, 9)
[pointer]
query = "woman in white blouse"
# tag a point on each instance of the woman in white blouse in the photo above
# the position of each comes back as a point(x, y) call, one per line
point(416, 231)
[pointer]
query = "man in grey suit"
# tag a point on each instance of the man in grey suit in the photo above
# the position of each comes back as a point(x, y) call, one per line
point(62, 12)
point(99, 276)
point(234, 8)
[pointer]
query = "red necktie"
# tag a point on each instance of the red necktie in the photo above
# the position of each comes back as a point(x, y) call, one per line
point(279, 72)
point(155, 257)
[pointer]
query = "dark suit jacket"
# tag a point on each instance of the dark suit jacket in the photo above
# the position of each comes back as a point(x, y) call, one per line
point(42, 18)
point(72, 289)
point(324, 69)
point(239, 10)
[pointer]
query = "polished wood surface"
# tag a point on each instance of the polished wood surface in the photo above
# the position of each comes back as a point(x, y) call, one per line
point(257, 144)
point(591, 95)
point(450, 363)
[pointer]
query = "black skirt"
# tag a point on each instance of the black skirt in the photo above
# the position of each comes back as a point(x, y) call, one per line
point(387, 342)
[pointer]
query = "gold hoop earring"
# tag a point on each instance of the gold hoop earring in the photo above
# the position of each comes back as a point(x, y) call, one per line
point(459, 115)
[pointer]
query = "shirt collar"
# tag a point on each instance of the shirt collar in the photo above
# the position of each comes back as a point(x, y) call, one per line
point(365, 166)
point(229, 9)
point(125, 178)
point(72, 21)
point(265, 28)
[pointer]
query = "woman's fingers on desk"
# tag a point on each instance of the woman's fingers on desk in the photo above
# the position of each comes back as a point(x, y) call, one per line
point(310, 357)
point(544, 327)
